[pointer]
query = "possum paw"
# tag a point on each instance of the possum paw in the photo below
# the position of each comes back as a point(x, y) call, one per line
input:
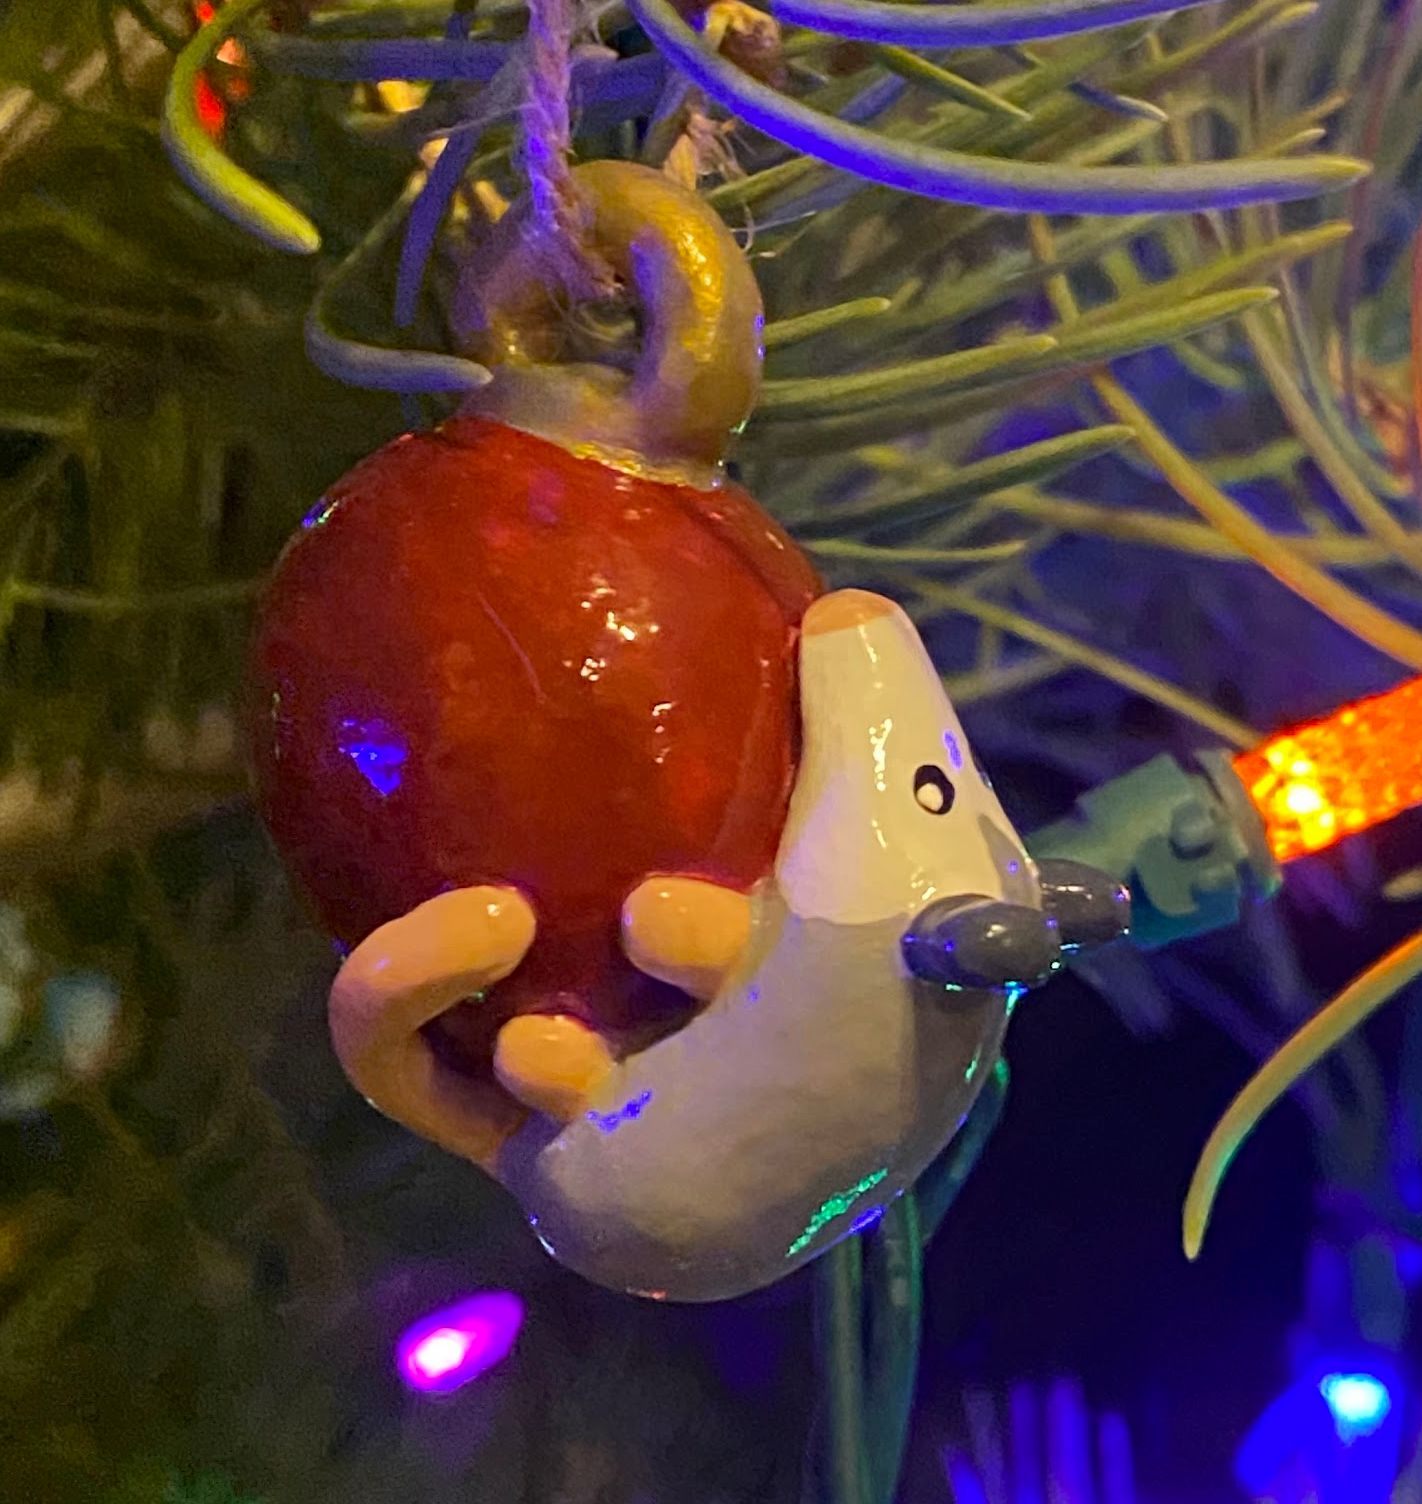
point(685, 931)
point(551, 1062)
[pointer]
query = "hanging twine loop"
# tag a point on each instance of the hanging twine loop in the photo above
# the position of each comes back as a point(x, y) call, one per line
point(558, 226)
point(696, 374)
point(579, 234)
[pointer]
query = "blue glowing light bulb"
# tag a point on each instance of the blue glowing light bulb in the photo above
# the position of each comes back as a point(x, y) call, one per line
point(1360, 1403)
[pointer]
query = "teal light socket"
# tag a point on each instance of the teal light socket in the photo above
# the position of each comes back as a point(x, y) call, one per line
point(1185, 839)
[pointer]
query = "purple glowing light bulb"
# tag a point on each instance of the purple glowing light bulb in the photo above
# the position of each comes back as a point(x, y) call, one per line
point(456, 1344)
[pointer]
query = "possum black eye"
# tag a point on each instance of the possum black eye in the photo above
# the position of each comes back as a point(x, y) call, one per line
point(933, 789)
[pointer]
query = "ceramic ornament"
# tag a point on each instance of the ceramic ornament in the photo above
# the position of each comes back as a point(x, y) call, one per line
point(673, 895)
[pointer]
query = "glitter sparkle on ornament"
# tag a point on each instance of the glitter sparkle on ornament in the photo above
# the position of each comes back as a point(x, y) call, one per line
point(451, 1347)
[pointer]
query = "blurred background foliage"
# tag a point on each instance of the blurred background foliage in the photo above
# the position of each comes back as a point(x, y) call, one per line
point(207, 1243)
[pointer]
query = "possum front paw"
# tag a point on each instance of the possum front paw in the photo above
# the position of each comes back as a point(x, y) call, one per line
point(551, 1062)
point(404, 975)
point(685, 931)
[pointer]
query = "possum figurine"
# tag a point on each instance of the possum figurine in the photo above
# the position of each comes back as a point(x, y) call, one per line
point(855, 1001)
point(671, 893)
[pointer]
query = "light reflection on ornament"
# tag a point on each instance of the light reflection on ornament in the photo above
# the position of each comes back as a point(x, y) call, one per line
point(459, 1343)
point(629, 1112)
point(378, 752)
point(865, 1220)
point(834, 1206)
point(318, 514)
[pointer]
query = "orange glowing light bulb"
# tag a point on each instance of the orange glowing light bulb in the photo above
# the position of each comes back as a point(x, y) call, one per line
point(210, 106)
point(1321, 781)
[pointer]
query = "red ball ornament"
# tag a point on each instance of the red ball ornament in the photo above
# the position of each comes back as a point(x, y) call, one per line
point(488, 661)
point(553, 654)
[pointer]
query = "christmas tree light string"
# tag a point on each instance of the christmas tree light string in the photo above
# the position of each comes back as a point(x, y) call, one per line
point(1312, 786)
point(1315, 784)
point(1288, 796)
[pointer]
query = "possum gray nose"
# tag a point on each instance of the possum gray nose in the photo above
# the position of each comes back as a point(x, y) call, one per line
point(964, 943)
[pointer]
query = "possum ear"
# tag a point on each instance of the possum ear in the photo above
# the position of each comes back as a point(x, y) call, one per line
point(685, 931)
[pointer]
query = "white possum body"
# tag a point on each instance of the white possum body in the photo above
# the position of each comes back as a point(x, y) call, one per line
point(822, 1078)
point(851, 1019)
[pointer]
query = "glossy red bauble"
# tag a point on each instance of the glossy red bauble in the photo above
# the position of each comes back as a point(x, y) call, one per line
point(485, 660)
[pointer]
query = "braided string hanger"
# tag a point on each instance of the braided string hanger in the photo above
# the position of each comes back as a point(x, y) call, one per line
point(560, 221)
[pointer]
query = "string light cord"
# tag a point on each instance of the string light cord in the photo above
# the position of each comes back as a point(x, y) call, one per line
point(1347, 1012)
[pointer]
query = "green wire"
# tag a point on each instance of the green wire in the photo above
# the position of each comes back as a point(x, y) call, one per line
point(938, 1187)
point(869, 1293)
point(839, 1345)
point(893, 1260)
point(207, 171)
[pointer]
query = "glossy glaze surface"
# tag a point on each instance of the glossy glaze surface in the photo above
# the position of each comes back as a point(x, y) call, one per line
point(487, 661)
